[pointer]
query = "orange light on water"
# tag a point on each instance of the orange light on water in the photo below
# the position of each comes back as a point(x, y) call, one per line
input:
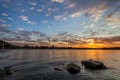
point(94, 54)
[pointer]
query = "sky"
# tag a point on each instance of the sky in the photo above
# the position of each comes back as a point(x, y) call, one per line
point(75, 23)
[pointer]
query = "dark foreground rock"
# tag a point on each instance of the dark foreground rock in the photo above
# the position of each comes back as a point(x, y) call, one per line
point(91, 64)
point(5, 72)
point(73, 68)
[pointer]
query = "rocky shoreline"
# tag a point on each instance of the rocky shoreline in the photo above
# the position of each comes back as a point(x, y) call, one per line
point(69, 71)
point(73, 68)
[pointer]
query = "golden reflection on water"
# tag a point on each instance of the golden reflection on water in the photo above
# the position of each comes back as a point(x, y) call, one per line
point(84, 54)
point(110, 57)
point(66, 54)
point(94, 54)
point(90, 54)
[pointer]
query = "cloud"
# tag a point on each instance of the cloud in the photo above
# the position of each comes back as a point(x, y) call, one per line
point(114, 19)
point(51, 11)
point(10, 18)
point(24, 18)
point(115, 8)
point(83, 23)
point(75, 14)
point(40, 34)
point(20, 28)
point(92, 25)
point(94, 9)
point(72, 5)
point(33, 3)
point(65, 38)
point(5, 25)
point(3, 21)
point(40, 10)
point(73, 40)
point(5, 5)
point(32, 8)
point(93, 33)
point(4, 14)
point(2, 29)
point(5, 31)
point(44, 21)
point(31, 22)
point(107, 39)
point(62, 33)
point(22, 34)
point(22, 10)
point(59, 1)
point(60, 17)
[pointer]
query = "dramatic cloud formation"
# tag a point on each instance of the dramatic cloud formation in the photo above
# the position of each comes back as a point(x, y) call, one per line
point(60, 22)
point(96, 8)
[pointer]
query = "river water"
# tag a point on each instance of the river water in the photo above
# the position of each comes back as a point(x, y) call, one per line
point(39, 64)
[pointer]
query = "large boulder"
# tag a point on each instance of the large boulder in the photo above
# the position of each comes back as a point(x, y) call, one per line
point(91, 64)
point(73, 68)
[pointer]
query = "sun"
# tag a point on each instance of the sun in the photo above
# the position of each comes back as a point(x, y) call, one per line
point(92, 45)
point(95, 45)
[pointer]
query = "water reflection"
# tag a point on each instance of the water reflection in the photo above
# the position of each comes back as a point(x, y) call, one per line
point(94, 54)
point(59, 55)
point(37, 62)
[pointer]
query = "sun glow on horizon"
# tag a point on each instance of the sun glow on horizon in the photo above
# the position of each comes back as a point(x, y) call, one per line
point(96, 45)
point(62, 23)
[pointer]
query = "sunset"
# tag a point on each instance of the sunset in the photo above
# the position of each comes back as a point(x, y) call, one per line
point(54, 22)
point(54, 39)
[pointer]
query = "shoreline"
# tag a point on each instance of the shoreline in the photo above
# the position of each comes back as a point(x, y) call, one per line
point(61, 49)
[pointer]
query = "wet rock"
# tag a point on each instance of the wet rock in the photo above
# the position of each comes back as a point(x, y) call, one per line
point(7, 71)
point(73, 68)
point(59, 68)
point(91, 64)
point(1, 75)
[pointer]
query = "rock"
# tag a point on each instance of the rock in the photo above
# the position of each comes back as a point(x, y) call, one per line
point(59, 68)
point(91, 64)
point(73, 68)
point(1, 73)
point(7, 71)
